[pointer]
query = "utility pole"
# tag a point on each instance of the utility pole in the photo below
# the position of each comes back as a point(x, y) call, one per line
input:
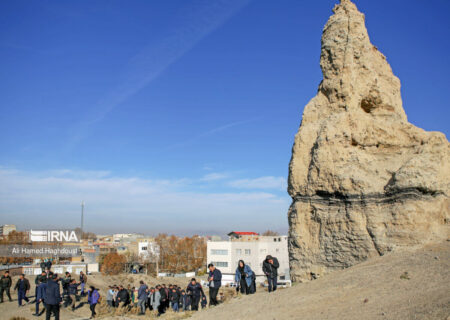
point(82, 218)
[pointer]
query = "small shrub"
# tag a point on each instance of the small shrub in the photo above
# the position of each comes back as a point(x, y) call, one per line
point(113, 264)
point(405, 276)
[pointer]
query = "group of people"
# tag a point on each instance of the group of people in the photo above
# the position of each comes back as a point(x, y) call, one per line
point(245, 278)
point(158, 298)
point(162, 297)
point(48, 293)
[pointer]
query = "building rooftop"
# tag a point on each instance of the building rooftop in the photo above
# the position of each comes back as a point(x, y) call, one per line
point(243, 233)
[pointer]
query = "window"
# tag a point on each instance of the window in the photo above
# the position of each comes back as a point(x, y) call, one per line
point(223, 264)
point(144, 248)
point(248, 252)
point(219, 252)
point(238, 252)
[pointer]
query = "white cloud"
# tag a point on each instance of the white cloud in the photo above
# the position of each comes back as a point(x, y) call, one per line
point(52, 199)
point(275, 183)
point(214, 176)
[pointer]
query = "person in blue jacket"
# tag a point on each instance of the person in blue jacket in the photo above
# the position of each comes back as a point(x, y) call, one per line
point(142, 296)
point(40, 294)
point(52, 297)
point(243, 277)
point(93, 299)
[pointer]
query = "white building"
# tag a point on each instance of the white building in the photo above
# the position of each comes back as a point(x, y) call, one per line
point(7, 229)
point(125, 237)
point(148, 249)
point(253, 249)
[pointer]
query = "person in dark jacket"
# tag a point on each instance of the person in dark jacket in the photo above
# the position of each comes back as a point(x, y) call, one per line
point(48, 265)
point(195, 291)
point(5, 286)
point(164, 292)
point(52, 298)
point(93, 299)
point(23, 287)
point(204, 302)
point(65, 283)
point(37, 281)
point(253, 286)
point(270, 269)
point(175, 299)
point(185, 302)
point(142, 296)
point(169, 296)
point(215, 281)
point(73, 292)
point(123, 297)
point(41, 288)
point(243, 277)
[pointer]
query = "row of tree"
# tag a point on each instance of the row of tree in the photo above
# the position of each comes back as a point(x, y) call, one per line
point(176, 255)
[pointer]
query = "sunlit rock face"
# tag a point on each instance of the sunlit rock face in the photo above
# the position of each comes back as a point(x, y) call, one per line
point(363, 180)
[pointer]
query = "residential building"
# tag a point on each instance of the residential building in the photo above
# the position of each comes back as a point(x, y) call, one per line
point(147, 249)
point(253, 249)
point(125, 237)
point(7, 229)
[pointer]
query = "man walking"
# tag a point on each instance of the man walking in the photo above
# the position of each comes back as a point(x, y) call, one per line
point(37, 281)
point(73, 291)
point(123, 297)
point(83, 281)
point(52, 297)
point(164, 292)
point(270, 269)
point(5, 285)
point(23, 287)
point(215, 281)
point(195, 291)
point(142, 296)
point(40, 294)
point(65, 284)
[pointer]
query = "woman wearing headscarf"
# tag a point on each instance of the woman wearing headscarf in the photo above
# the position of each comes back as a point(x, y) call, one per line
point(243, 277)
point(93, 299)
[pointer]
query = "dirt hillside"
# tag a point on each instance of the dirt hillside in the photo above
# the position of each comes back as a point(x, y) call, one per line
point(412, 284)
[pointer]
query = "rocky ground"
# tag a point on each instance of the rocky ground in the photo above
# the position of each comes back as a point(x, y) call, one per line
point(412, 284)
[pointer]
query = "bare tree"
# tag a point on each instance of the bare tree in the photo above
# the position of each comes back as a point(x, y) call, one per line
point(270, 233)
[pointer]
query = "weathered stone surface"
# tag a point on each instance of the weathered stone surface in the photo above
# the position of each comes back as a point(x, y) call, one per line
point(363, 180)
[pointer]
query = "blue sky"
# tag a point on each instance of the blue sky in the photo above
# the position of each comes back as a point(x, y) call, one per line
point(179, 116)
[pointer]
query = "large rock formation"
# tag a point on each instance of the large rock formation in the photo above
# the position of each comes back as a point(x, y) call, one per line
point(363, 180)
